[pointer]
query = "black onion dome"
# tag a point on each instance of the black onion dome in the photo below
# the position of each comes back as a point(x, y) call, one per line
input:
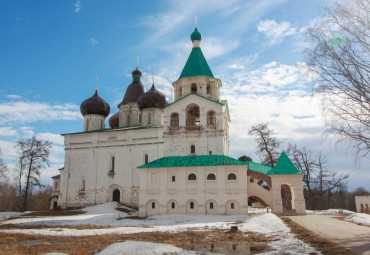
point(135, 89)
point(114, 120)
point(95, 105)
point(152, 99)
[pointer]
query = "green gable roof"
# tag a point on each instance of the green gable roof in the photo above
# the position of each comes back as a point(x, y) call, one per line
point(221, 102)
point(206, 160)
point(196, 65)
point(258, 167)
point(284, 166)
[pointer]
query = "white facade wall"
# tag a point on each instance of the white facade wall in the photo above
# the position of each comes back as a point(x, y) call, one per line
point(207, 139)
point(157, 186)
point(87, 177)
point(362, 204)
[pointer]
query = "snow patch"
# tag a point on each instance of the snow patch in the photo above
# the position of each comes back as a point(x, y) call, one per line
point(360, 218)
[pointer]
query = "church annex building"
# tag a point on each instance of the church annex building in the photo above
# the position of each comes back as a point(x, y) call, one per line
point(168, 157)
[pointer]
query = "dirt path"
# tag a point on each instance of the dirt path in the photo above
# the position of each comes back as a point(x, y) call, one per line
point(351, 236)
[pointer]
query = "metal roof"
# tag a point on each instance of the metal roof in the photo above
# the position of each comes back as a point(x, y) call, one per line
point(196, 65)
point(221, 102)
point(203, 160)
point(284, 166)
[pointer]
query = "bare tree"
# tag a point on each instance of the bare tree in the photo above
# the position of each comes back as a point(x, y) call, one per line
point(340, 61)
point(3, 168)
point(303, 160)
point(267, 146)
point(33, 156)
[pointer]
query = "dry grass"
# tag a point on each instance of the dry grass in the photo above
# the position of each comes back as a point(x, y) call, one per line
point(322, 244)
point(36, 244)
point(123, 210)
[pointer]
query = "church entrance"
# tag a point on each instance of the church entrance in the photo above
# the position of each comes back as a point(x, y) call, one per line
point(116, 195)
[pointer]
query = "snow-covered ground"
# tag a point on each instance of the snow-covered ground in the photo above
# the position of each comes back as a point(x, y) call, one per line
point(7, 215)
point(107, 215)
point(334, 212)
point(360, 218)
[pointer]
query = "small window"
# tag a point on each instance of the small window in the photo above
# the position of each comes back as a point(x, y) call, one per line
point(211, 118)
point(232, 206)
point(153, 205)
point(191, 205)
point(231, 177)
point(208, 89)
point(56, 186)
point(211, 205)
point(146, 159)
point(210, 152)
point(192, 177)
point(112, 161)
point(211, 177)
point(173, 178)
point(173, 205)
point(83, 184)
point(194, 88)
point(192, 149)
point(149, 118)
point(174, 119)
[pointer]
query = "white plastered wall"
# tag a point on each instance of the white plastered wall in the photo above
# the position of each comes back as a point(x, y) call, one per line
point(156, 186)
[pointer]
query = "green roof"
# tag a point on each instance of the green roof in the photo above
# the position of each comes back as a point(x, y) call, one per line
point(196, 65)
point(196, 35)
point(284, 166)
point(258, 167)
point(221, 102)
point(206, 160)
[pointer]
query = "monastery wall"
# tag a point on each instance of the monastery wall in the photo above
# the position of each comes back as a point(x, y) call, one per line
point(169, 190)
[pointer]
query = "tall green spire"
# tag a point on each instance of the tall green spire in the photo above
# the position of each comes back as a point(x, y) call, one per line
point(196, 64)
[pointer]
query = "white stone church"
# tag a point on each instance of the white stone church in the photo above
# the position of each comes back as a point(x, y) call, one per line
point(168, 157)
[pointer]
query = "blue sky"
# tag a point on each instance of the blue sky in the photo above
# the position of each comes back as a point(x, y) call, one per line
point(52, 51)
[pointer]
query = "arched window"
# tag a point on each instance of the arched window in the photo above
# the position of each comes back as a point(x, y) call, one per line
point(153, 205)
point(149, 118)
point(211, 205)
point(87, 124)
point(194, 88)
point(211, 177)
point(192, 177)
point(173, 178)
point(192, 149)
point(191, 205)
point(231, 177)
point(146, 159)
point(56, 186)
point(174, 119)
point(173, 205)
point(232, 206)
point(193, 116)
point(83, 184)
point(211, 118)
point(210, 152)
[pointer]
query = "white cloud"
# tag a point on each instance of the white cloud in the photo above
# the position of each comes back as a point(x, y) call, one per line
point(274, 31)
point(214, 47)
point(236, 67)
point(77, 6)
point(13, 96)
point(8, 131)
point(26, 112)
point(92, 41)
point(53, 138)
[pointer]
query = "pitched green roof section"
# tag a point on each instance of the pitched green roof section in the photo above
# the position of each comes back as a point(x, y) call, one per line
point(221, 102)
point(284, 166)
point(206, 160)
point(196, 65)
point(258, 167)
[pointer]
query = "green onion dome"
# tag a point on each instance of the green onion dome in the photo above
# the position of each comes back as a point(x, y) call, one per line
point(196, 35)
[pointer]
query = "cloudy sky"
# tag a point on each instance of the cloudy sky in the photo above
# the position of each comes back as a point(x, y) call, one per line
point(52, 51)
